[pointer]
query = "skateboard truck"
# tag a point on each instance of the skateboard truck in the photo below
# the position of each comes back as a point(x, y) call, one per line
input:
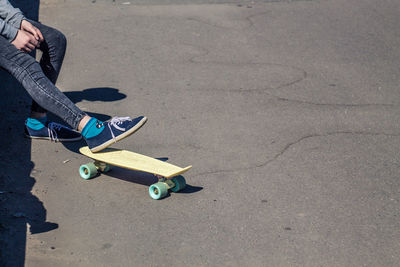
point(102, 166)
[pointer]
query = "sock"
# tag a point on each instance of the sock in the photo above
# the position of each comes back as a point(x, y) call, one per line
point(36, 124)
point(92, 128)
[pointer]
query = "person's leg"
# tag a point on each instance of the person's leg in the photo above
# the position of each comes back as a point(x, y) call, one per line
point(53, 52)
point(28, 72)
point(53, 49)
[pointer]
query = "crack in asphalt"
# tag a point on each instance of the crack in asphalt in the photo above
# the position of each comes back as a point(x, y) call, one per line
point(251, 17)
point(330, 104)
point(267, 89)
point(213, 25)
point(248, 20)
point(204, 50)
point(289, 145)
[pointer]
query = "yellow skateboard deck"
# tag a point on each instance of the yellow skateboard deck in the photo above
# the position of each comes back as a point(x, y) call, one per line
point(134, 161)
point(167, 173)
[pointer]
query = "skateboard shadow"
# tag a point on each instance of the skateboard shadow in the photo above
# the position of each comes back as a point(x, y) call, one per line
point(136, 177)
point(190, 189)
point(145, 178)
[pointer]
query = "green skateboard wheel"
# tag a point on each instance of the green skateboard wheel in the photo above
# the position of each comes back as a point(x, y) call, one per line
point(158, 190)
point(179, 182)
point(88, 171)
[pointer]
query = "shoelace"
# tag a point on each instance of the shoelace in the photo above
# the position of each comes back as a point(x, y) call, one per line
point(115, 121)
point(52, 128)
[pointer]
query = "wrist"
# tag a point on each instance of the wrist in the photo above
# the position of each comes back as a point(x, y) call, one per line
point(21, 24)
point(12, 34)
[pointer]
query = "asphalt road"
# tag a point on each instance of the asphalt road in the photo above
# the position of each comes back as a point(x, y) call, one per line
point(287, 110)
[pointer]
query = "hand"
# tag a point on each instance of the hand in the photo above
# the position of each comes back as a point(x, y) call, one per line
point(28, 27)
point(25, 41)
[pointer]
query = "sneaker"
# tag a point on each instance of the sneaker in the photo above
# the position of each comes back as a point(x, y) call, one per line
point(54, 132)
point(114, 130)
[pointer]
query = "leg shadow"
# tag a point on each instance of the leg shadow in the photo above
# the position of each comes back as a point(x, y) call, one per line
point(103, 94)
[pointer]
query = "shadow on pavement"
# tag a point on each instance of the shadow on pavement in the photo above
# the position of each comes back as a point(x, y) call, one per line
point(20, 210)
point(143, 178)
point(18, 206)
point(189, 189)
point(103, 94)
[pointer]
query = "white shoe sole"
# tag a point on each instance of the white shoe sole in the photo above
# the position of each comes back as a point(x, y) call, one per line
point(58, 139)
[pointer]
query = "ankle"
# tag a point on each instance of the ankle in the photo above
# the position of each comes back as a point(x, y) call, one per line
point(37, 115)
point(93, 128)
point(83, 123)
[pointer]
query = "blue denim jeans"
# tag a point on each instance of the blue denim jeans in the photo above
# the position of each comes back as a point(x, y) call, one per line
point(38, 79)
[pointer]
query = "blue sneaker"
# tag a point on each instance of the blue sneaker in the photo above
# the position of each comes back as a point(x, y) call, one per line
point(114, 130)
point(54, 132)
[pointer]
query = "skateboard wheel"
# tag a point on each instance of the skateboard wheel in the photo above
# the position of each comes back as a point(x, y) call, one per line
point(158, 190)
point(88, 171)
point(179, 182)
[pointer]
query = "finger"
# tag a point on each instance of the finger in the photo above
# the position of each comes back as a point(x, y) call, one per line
point(33, 31)
point(32, 39)
point(38, 34)
point(34, 42)
point(30, 46)
point(26, 49)
point(41, 38)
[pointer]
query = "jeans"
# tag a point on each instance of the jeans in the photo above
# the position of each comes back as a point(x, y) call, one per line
point(38, 79)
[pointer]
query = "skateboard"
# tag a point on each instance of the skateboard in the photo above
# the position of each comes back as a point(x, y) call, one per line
point(168, 175)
